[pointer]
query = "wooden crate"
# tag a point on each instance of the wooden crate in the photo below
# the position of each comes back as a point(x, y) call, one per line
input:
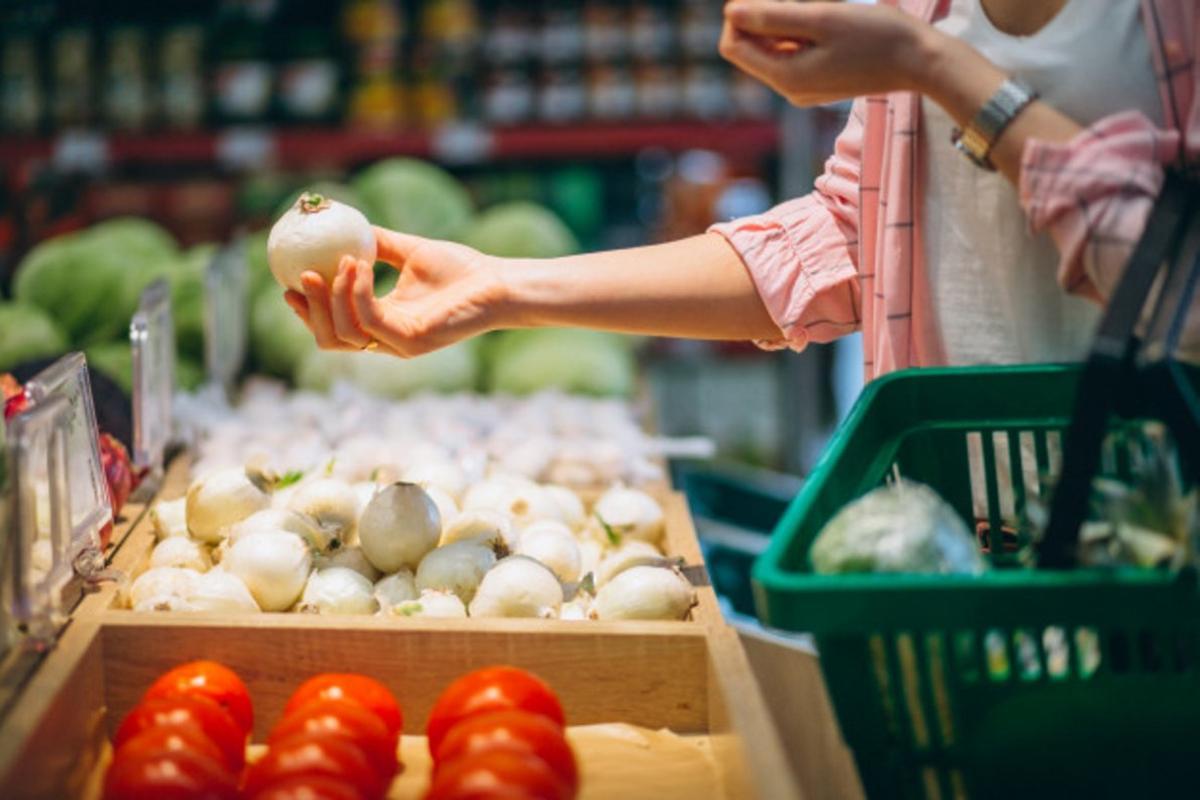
point(135, 542)
point(691, 679)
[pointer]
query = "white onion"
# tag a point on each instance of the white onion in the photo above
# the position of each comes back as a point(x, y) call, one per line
point(338, 590)
point(314, 234)
point(396, 588)
point(351, 557)
point(274, 566)
point(447, 506)
point(161, 583)
point(433, 603)
point(631, 512)
point(457, 567)
point(399, 526)
point(363, 492)
point(180, 551)
point(494, 526)
point(440, 473)
point(520, 497)
point(334, 506)
point(569, 505)
point(552, 543)
point(281, 519)
point(169, 518)
point(221, 499)
point(220, 592)
point(647, 593)
point(518, 587)
point(631, 553)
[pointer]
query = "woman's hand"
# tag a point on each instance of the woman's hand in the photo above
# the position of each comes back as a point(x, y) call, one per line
point(813, 53)
point(446, 292)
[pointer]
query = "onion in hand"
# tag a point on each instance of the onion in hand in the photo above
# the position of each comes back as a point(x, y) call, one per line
point(314, 235)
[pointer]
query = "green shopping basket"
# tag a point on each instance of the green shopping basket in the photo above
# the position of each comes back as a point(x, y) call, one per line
point(1017, 683)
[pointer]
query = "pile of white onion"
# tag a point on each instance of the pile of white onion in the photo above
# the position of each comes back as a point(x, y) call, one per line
point(433, 545)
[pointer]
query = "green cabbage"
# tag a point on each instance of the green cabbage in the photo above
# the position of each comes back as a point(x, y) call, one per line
point(521, 230)
point(187, 299)
point(414, 197)
point(27, 333)
point(279, 340)
point(114, 359)
point(450, 369)
point(578, 361)
point(905, 527)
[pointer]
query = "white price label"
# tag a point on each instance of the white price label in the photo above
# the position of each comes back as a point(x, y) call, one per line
point(245, 148)
point(81, 151)
point(462, 144)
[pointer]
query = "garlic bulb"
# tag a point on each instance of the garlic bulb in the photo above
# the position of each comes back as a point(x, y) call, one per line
point(333, 504)
point(180, 551)
point(494, 526)
point(338, 590)
point(220, 592)
point(219, 500)
point(351, 557)
point(518, 587)
point(169, 518)
point(440, 473)
point(644, 593)
point(457, 567)
point(396, 588)
point(433, 603)
point(282, 519)
point(631, 553)
point(631, 512)
point(399, 526)
point(552, 543)
point(570, 507)
point(314, 234)
point(274, 566)
point(160, 585)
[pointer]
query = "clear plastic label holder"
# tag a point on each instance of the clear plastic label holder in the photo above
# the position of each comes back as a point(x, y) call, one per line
point(86, 507)
point(152, 342)
point(225, 316)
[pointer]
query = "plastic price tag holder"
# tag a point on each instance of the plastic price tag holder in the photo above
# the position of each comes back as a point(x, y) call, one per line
point(225, 315)
point(38, 551)
point(88, 506)
point(152, 341)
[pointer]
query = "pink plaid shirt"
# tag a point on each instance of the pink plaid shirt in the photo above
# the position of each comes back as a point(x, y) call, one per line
point(848, 256)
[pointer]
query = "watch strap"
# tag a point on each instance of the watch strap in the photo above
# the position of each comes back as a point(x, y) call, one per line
point(979, 136)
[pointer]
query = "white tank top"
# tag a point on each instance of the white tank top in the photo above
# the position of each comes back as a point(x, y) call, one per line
point(992, 282)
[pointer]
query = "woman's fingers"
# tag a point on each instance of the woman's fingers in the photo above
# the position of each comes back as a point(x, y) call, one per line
point(393, 247)
point(345, 323)
point(320, 318)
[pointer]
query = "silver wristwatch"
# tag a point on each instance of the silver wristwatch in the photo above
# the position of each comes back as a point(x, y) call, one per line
point(976, 140)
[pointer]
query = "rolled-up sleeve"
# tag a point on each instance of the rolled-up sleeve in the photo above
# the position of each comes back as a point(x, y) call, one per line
point(1094, 194)
point(803, 254)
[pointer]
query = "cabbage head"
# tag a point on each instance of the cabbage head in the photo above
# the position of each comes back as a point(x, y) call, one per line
point(451, 369)
point(279, 340)
point(904, 527)
point(570, 360)
point(27, 333)
point(415, 197)
point(521, 230)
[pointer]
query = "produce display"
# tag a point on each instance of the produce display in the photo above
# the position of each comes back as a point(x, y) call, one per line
point(496, 732)
point(245, 540)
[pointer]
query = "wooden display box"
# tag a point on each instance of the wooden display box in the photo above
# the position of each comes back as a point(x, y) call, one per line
point(691, 679)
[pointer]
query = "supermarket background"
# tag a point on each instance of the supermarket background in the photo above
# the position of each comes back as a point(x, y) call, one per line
point(618, 115)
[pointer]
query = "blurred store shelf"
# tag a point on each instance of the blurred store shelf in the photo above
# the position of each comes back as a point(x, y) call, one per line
point(303, 148)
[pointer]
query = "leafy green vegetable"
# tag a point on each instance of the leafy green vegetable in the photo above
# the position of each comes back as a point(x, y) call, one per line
point(579, 361)
point(278, 338)
point(414, 197)
point(521, 230)
point(903, 527)
point(27, 333)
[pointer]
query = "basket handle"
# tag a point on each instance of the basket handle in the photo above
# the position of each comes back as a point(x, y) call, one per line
point(1107, 382)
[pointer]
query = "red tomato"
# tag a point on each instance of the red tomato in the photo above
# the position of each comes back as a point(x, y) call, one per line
point(346, 719)
point(316, 787)
point(212, 681)
point(491, 689)
point(510, 729)
point(367, 692)
point(168, 775)
point(313, 754)
point(207, 717)
point(169, 738)
point(499, 773)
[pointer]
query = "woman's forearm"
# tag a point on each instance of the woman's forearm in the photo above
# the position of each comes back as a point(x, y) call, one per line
point(961, 80)
point(695, 288)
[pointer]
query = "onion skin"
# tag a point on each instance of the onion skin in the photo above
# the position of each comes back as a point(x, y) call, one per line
point(314, 235)
point(398, 527)
point(646, 593)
